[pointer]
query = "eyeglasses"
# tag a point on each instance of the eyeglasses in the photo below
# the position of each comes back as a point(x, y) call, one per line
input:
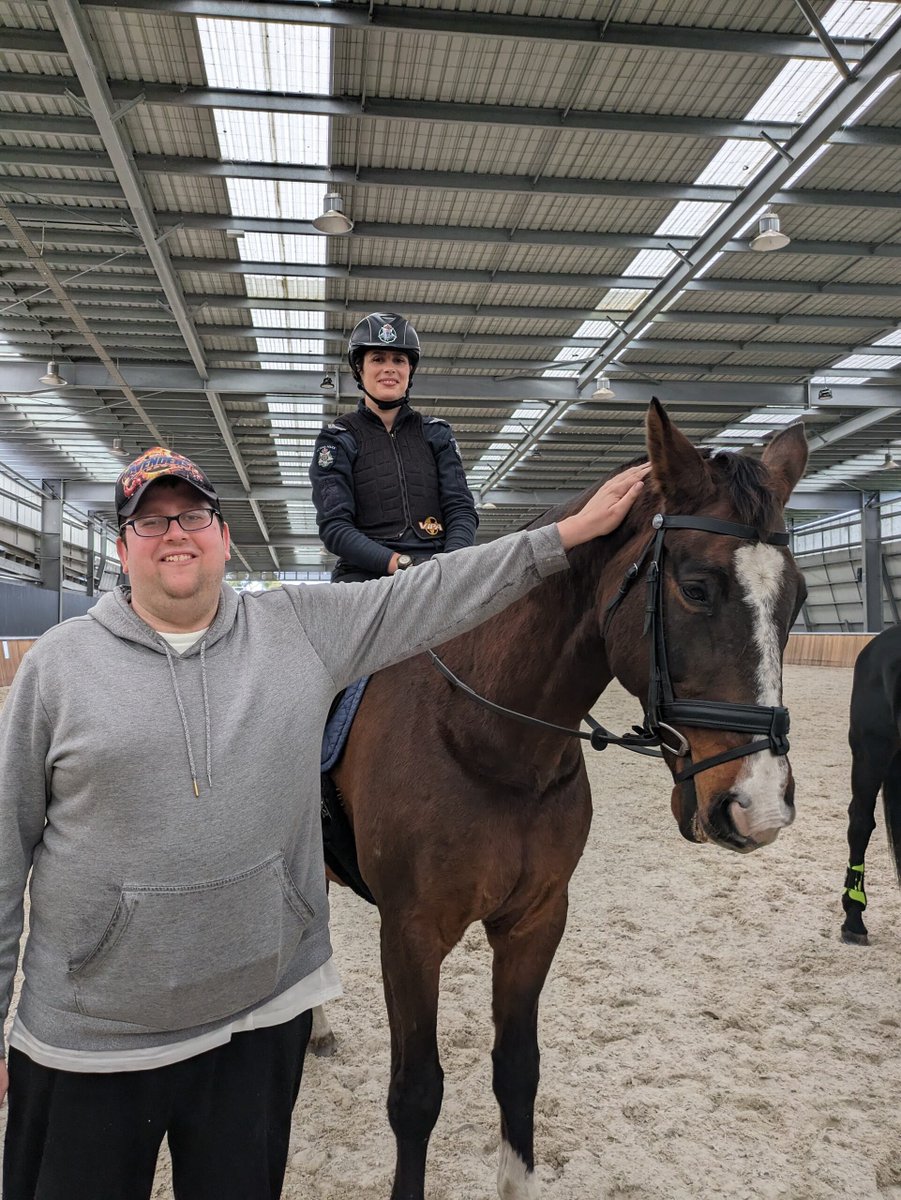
point(191, 521)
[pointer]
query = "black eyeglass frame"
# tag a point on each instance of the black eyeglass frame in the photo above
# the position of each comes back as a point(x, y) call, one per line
point(178, 516)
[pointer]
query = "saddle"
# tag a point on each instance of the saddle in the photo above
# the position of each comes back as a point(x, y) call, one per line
point(338, 845)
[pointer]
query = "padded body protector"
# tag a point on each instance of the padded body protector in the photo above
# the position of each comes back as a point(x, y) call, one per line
point(395, 479)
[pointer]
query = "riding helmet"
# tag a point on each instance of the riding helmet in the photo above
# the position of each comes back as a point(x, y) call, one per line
point(382, 331)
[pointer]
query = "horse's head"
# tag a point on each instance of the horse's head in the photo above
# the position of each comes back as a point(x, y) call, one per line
point(726, 602)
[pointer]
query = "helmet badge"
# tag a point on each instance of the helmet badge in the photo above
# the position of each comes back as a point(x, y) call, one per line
point(387, 334)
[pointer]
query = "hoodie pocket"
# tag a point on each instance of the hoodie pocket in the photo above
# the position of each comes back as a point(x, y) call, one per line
point(177, 956)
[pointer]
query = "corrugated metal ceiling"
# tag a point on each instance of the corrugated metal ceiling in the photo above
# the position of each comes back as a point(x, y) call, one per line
point(422, 68)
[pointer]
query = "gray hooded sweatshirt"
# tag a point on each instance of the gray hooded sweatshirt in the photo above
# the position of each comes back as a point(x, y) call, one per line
point(158, 914)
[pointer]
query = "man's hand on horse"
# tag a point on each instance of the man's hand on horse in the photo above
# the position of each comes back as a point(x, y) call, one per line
point(606, 508)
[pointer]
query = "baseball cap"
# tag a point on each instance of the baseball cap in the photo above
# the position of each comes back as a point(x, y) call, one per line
point(154, 464)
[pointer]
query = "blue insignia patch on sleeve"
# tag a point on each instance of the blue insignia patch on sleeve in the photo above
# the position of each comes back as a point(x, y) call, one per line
point(325, 458)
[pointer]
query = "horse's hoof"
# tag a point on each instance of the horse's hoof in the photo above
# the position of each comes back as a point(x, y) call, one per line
point(855, 939)
point(324, 1047)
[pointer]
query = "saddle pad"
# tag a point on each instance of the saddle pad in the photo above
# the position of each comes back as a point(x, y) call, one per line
point(340, 719)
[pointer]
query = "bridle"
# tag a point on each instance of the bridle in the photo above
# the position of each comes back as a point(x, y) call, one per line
point(663, 710)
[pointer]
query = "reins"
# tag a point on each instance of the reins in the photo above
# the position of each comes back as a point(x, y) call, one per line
point(663, 710)
point(598, 736)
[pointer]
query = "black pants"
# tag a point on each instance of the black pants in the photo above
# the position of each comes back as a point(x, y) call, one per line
point(226, 1113)
point(348, 573)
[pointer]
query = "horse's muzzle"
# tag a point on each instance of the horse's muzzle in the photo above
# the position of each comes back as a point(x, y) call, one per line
point(727, 821)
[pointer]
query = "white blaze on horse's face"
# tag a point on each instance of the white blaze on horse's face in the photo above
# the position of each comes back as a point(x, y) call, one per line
point(759, 810)
point(514, 1179)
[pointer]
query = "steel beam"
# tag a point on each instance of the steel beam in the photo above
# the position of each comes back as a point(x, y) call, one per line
point(844, 100)
point(475, 337)
point(93, 495)
point(865, 420)
point(61, 230)
point(52, 573)
point(871, 556)
point(31, 253)
point(543, 341)
point(314, 270)
point(378, 108)
point(653, 370)
point(32, 41)
point(824, 37)
point(18, 377)
point(461, 23)
point(383, 177)
point(143, 306)
point(798, 151)
point(72, 24)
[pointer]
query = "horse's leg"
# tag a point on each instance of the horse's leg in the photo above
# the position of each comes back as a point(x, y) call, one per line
point(523, 952)
point(870, 760)
point(322, 1040)
point(411, 964)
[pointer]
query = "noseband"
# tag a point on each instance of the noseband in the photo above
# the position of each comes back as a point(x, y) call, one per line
point(663, 710)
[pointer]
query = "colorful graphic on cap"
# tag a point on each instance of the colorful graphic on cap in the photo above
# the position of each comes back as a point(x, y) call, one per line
point(156, 462)
point(387, 334)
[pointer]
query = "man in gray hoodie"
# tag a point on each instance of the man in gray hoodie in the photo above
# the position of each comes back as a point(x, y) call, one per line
point(159, 775)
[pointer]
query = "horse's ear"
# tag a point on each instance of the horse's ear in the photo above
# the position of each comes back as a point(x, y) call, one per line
point(679, 471)
point(785, 457)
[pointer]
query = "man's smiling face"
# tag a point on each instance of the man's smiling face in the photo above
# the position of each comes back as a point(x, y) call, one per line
point(175, 577)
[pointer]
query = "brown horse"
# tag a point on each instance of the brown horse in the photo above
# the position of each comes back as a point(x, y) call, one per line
point(461, 815)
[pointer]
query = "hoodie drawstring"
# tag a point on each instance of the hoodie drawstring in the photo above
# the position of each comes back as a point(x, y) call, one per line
point(206, 714)
point(184, 719)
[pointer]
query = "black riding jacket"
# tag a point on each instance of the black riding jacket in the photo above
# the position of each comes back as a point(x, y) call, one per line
point(378, 493)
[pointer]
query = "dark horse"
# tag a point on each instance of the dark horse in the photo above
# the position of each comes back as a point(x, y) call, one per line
point(875, 737)
point(462, 815)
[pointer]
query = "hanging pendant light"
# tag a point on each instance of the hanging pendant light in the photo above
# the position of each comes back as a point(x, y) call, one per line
point(769, 234)
point(53, 377)
point(603, 391)
point(333, 220)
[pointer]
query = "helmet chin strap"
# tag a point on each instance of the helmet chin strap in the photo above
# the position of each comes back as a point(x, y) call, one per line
point(385, 405)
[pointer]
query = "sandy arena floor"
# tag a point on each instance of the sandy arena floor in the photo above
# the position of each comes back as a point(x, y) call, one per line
point(704, 1031)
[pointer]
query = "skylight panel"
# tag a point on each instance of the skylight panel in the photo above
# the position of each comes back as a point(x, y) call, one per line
point(570, 353)
point(285, 318)
point(689, 218)
point(284, 287)
point(842, 379)
point(864, 362)
point(768, 417)
point(595, 329)
point(283, 247)
point(247, 136)
point(795, 91)
point(295, 406)
point(737, 161)
point(275, 200)
point(289, 346)
point(754, 427)
point(625, 298)
point(851, 468)
point(653, 262)
point(859, 18)
point(266, 56)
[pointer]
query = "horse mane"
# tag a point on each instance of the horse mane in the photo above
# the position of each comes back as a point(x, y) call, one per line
point(744, 479)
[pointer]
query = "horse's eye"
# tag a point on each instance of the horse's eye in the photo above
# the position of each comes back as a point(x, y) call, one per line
point(695, 592)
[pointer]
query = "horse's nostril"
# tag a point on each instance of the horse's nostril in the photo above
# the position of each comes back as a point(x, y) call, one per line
point(726, 822)
point(789, 796)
